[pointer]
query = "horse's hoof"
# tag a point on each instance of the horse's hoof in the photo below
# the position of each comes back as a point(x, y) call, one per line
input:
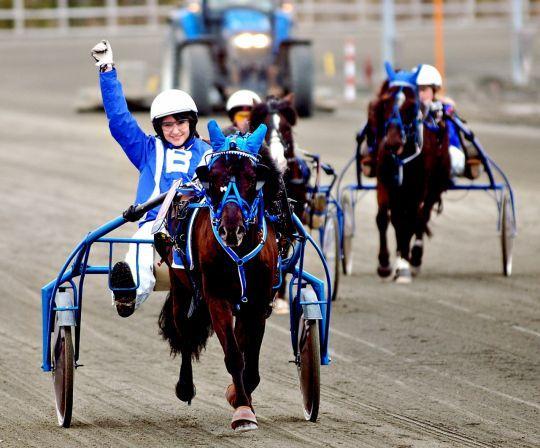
point(415, 271)
point(246, 427)
point(403, 278)
point(184, 394)
point(384, 271)
point(403, 271)
point(244, 419)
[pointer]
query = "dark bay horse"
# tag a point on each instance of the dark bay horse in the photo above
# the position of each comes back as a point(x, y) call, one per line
point(413, 170)
point(235, 258)
point(280, 117)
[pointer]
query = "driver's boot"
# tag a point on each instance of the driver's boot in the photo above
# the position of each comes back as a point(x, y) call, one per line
point(123, 288)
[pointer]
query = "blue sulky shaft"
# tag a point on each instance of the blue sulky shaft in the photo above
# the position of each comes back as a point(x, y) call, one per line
point(324, 300)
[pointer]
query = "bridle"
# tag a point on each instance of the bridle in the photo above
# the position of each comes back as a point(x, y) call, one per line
point(412, 131)
point(274, 132)
point(232, 194)
point(251, 214)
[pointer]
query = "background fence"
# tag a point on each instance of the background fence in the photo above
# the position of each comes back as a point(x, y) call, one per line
point(20, 17)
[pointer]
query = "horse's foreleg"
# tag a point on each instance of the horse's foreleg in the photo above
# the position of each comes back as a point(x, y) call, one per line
point(421, 229)
point(249, 334)
point(222, 321)
point(404, 228)
point(384, 270)
point(417, 250)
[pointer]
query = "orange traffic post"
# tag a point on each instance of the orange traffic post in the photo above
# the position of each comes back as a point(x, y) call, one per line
point(438, 19)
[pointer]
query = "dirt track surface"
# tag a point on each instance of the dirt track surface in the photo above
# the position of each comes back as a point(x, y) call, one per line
point(452, 360)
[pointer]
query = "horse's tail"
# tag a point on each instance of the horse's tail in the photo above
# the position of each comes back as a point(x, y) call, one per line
point(185, 334)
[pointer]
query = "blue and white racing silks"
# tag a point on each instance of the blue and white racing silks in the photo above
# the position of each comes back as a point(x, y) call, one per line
point(453, 135)
point(158, 162)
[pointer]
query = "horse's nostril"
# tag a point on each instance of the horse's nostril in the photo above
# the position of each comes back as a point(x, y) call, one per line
point(222, 232)
point(240, 231)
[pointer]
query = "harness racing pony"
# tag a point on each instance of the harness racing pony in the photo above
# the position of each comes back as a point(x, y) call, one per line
point(235, 258)
point(412, 168)
point(280, 116)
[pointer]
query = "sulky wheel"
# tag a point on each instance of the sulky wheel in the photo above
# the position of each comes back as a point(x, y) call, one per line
point(331, 250)
point(309, 367)
point(348, 234)
point(507, 235)
point(62, 373)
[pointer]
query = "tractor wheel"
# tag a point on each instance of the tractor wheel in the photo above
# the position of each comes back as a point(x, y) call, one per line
point(301, 78)
point(197, 75)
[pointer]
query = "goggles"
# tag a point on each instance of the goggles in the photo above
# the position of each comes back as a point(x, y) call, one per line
point(169, 125)
point(241, 116)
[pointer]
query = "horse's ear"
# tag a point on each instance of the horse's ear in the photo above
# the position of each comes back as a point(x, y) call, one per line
point(256, 139)
point(414, 75)
point(262, 175)
point(289, 97)
point(217, 139)
point(389, 70)
point(258, 113)
point(202, 174)
point(289, 112)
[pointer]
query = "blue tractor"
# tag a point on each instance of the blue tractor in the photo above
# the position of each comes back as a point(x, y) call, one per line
point(218, 46)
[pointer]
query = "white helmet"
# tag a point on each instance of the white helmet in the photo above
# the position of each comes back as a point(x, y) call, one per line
point(428, 76)
point(242, 98)
point(171, 102)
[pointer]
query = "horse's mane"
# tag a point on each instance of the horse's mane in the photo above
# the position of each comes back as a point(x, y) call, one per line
point(272, 187)
point(375, 113)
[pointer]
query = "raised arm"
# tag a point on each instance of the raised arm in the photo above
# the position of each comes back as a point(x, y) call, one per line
point(124, 128)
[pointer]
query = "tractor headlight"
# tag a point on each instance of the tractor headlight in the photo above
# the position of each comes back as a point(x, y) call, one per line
point(251, 40)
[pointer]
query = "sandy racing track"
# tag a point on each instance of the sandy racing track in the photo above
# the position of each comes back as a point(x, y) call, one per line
point(452, 360)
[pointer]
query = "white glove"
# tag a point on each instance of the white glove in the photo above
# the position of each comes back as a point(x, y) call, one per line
point(102, 53)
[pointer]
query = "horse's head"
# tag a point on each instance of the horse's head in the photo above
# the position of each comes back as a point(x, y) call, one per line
point(280, 116)
point(399, 114)
point(233, 181)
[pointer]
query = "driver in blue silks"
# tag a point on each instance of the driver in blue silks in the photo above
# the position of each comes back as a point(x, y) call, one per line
point(429, 82)
point(172, 154)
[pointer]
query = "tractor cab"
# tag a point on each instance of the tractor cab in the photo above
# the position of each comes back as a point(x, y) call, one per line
point(217, 13)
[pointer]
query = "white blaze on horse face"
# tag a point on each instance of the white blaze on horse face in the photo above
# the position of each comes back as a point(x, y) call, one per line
point(277, 150)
